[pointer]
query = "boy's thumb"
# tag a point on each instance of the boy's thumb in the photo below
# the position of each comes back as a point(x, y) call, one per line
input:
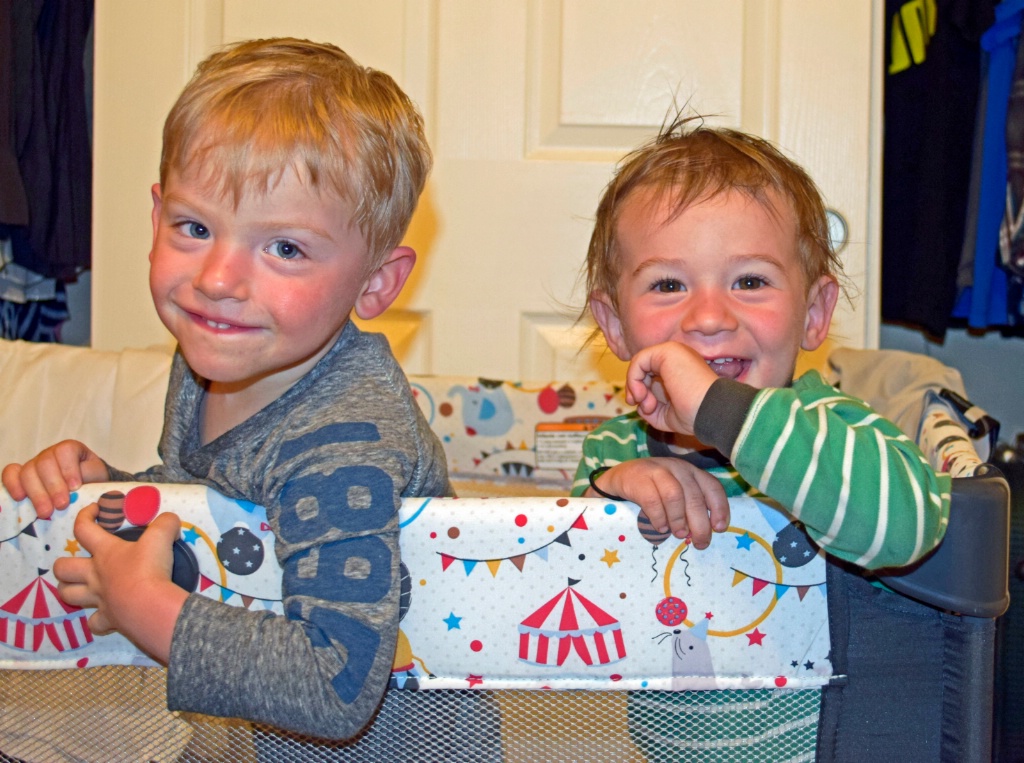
point(166, 528)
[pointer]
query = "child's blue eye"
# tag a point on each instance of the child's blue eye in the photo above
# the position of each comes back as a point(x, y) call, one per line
point(750, 282)
point(668, 286)
point(196, 230)
point(286, 250)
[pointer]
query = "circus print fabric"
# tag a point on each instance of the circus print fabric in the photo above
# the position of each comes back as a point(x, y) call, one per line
point(581, 593)
point(506, 430)
point(226, 552)
point(496, 593)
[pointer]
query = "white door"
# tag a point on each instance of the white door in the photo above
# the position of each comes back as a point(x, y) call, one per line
point(528, 103)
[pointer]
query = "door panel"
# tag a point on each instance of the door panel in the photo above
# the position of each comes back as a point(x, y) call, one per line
point(528, 105)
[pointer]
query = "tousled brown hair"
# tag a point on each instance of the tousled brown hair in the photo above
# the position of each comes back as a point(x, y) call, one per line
point(689, 161)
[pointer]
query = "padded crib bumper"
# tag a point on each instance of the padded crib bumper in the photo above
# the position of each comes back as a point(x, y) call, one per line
point(496, 592)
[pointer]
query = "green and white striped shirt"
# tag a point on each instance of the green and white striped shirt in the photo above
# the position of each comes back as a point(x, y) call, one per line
point(863, 490)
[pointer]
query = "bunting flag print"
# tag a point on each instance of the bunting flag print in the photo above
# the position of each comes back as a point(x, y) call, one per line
point(779, 589)
point(518, 560)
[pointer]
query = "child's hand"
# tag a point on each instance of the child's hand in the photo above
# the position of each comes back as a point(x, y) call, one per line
point(128, 583)
point(676, 496)
point(667, 383)
point(48, 479)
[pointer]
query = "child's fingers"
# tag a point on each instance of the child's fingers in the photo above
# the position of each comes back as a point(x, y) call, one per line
point(157, 541)
point(639, 372)
point(40, 492)
point(88, 533)
point(48, 479)
point(697, 519)
point(69, 456)
point(164, 529)
point(12, 481)
point(636, 390)
point(60, 470)
point(657, 388)
point(71, 571)
point(705, 504)
point(672, 504)
point(99, 624)
point(77, 595)
point(716, 500)
point(647, 497)
point(678, 521)
point(73, 578)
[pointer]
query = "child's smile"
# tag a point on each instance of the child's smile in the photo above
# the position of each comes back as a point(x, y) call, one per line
point(216, 324)
point(728, 368)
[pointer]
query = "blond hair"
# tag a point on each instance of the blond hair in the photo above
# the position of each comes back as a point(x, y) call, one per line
point(689, 161)
point(255, 108)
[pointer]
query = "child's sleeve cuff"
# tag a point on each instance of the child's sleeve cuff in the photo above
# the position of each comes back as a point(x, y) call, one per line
point(722, 413)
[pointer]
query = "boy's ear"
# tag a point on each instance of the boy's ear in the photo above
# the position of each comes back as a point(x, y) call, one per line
point(157, 206)
point(821, 302)
point(607, 318)
point(385, 283)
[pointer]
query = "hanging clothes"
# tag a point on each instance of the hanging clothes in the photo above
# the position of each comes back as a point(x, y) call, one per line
point(13, 203)
point(36, 321)
point(48, 126)
point(931, 94)
point(985, 302)
point(1011, 232)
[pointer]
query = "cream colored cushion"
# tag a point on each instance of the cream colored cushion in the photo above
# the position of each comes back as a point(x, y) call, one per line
point(53, 392)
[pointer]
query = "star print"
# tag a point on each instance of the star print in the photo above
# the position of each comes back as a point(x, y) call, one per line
point(794, 663)
point(610, 557)
point(756, 637)
point(474, 680)
point(744, 541)
point(190, 535)
point(708, 615)
point(453, 622)
point(72, 547)
point(809, 665)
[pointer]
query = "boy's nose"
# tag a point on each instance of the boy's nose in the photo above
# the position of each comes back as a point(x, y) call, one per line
point(223, 273)
point(707, 312)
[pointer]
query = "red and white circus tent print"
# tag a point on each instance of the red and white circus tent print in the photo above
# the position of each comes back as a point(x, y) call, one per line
point(570, 622)
point(36, 615)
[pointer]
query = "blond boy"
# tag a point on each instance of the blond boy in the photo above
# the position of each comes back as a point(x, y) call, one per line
point(288, 177)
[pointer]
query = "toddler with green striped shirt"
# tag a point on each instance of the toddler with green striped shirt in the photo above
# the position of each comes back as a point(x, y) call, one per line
point(709, 269)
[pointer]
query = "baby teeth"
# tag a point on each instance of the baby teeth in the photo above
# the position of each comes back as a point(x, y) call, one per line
point(214, 324)
point(721, 361)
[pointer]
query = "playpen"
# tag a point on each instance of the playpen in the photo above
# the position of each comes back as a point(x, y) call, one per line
point(534, 627)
